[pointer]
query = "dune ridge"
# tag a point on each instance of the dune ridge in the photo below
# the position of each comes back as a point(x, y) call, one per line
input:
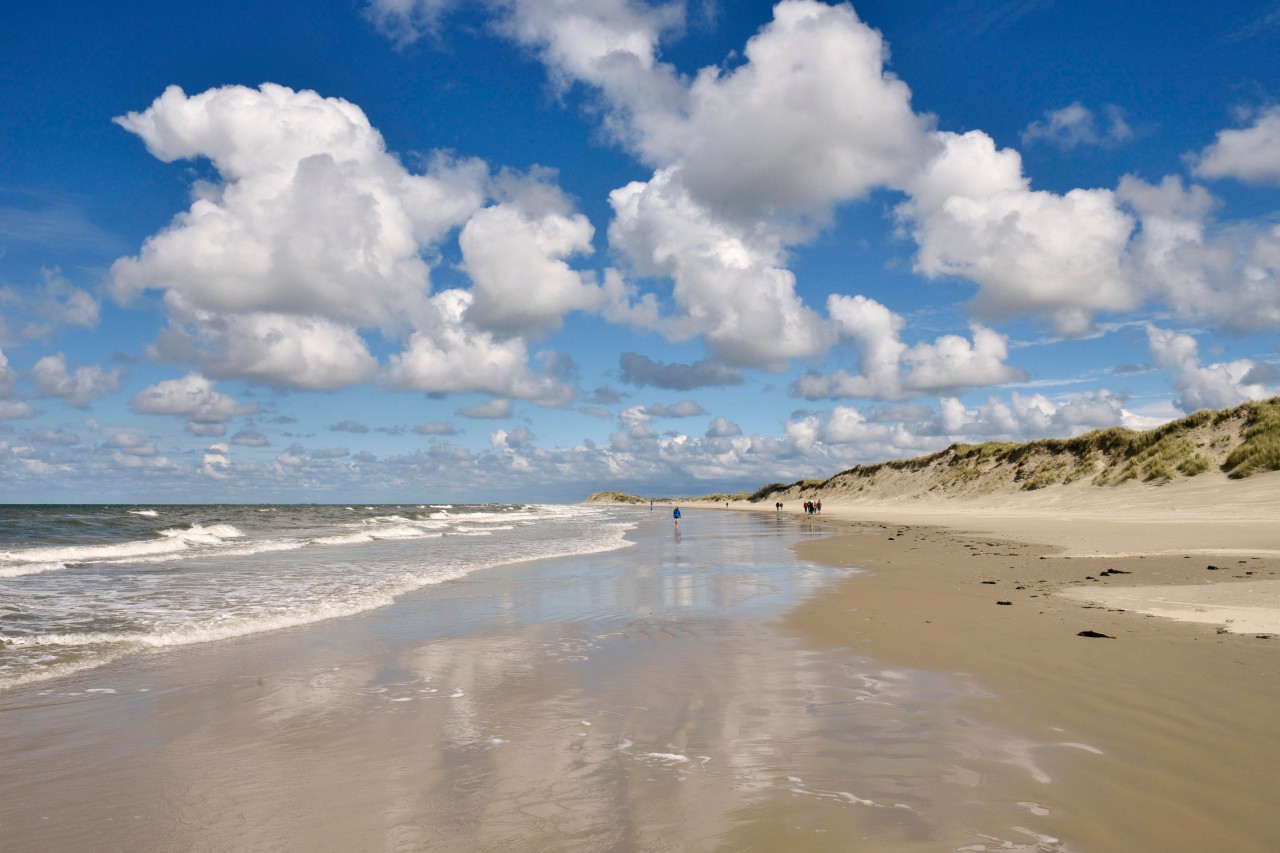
point(1235, 443)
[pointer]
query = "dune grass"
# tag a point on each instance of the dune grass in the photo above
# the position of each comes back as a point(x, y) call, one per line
point(1260, 450)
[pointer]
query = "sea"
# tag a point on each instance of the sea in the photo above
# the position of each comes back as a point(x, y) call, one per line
point(83, 585)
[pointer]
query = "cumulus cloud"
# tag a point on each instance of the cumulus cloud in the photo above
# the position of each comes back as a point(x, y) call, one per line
point(315, 232)
point(11, 409)
point(451, 355)
point(59, 437)
point(207, 429)
point(683, 409)
point(1262, 373)
point(310, 353)
point(730, 284)
point(7, 375)
point(215, 464)
point(193, 397)
point(515, 254)
point(1229, 276)
point(735, 186)
point(53, 303)
point(641, 370)
point(130, 443)
point(313, 216)
point(495, 409)
point(250, 437)
point(511, 439)
point(722, 427)
point(79, 388)
point(889, 369)
point(809, 119)
point(348, 426)
point(1075, 125)
point(436, 428)
point(1028, 416)
point(1213, 386)
point(406, 21)
point(1250, 154)
point(974, 214)
point(15, 409)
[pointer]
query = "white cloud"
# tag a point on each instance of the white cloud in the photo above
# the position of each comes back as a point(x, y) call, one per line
point(952, 362)
point(750, 157)
point(14, 409)
point(216, 463)
point(193, 397)
point(515, 439)
point(722, 427)
point(130, 443)
point(730, 287)
point(641, 370)
point(890, 370)
point(406, 21)
point(7, 375)
point(495, 409)
point(1076, 125)
point(515, 254)
point(1229, 276)
point(313, 233)
point(313, 216)
point(53, 303)
point(974, 214)
point(11, 409)
point(307, 352)
point(1250, 154)
point(79, 389)
point(250, 437)
point(609, 44)
point(450, 355)
point(207, 429)
point(436, 428)
point(810, 119)
point(1213, 386)
point(683, 409)
point(59, 436)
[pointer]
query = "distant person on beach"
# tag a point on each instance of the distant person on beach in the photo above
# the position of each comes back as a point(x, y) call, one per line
point(818, 507)
point(676, 516)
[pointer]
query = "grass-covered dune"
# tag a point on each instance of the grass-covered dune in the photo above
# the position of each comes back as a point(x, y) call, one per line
point(1238, 442)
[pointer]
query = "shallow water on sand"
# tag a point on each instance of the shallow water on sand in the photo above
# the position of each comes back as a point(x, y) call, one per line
point(641, 699)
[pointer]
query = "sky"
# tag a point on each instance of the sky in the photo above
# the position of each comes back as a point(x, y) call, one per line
point(524, 250)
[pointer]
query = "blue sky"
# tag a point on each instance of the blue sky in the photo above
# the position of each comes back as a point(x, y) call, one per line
point(408, 250)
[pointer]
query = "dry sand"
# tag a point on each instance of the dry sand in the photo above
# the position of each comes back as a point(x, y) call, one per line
point(1184, 710)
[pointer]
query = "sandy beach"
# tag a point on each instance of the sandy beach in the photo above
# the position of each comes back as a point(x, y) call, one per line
point(879, 678)
point(1179, 698)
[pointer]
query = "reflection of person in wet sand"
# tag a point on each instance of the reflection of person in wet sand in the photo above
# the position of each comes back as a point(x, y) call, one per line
point(676, 516)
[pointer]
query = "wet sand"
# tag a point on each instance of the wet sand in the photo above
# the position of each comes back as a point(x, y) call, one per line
point(655, 698)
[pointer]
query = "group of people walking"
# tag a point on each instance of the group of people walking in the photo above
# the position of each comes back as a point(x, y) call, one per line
point(809, 506)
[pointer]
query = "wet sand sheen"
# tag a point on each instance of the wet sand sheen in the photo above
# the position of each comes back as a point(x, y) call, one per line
point(647, 699)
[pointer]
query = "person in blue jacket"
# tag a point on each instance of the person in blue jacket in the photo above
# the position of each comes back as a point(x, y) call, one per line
point(676, 516)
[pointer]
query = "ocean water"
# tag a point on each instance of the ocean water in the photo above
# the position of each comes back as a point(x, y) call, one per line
point(81, 585)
